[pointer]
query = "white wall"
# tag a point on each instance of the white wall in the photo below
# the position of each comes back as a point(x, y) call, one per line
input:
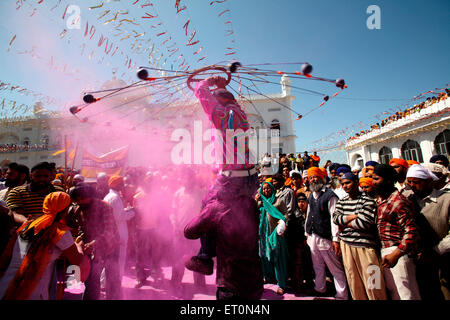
point(425, 140)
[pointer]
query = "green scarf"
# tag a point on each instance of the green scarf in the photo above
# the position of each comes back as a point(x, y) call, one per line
point(271, 242)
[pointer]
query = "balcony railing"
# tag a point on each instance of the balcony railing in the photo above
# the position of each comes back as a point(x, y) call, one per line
point(407, 120)
point(14, 148)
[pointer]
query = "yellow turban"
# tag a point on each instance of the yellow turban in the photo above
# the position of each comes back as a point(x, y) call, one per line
point(115, 181)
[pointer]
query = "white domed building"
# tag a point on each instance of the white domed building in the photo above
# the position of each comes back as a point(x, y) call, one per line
point(123, 118)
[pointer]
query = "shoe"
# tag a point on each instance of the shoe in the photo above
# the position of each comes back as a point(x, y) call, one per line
point(319, 294)
point(269, 281)
point(280, 291)
point(203, 266)
point(139, 284)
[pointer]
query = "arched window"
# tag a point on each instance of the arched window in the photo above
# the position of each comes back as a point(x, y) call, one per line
point(442, 142)
point(411, 151)
point(356, 160)
point(45, 139)
point(385, 155)
point(26, 141)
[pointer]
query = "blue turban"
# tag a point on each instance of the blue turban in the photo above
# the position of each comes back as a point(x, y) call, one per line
point(334, 166)
point(349, 176)
point(342, 170)
point(371, 163)
point(440, 157)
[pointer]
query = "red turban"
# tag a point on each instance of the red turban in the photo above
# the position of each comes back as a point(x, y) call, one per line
point(400, 162)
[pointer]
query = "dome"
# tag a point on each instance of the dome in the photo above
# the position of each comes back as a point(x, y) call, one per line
point(113, 84)
point(126, 94)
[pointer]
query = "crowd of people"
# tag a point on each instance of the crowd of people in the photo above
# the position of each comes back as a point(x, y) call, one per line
point(118, 223)
point(390, 218)
point(402, 114)
point(380, 232)
point(13, 147)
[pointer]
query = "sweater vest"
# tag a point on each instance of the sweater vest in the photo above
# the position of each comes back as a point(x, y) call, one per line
point(319, 218)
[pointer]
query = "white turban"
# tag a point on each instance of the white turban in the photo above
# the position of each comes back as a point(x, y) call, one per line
point(305, 174)
point(294, 171)
point(436, 168)
point(78, 177)
point(101, 175)
point(420, 172)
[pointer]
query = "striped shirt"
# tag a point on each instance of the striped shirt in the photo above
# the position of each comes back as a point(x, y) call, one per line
point(362, 230)
point(29, 201)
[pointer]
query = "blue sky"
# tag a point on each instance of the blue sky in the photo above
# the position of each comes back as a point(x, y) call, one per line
point(383, 68)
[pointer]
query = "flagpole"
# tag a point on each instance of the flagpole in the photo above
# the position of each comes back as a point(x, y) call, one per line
point(74, 157)
point(65, 155)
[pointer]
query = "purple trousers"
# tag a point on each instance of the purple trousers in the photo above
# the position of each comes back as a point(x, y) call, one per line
point(225, 189)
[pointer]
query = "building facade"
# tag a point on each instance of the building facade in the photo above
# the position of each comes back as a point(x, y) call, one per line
point(417, 136)
point(34, 139)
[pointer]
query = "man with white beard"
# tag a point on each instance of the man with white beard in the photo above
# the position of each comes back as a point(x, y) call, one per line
point(322, 235)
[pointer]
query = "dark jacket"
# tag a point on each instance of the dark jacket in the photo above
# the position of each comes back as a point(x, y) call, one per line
point(319, 218)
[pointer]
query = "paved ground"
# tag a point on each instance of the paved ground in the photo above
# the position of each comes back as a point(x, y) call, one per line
point(162, 289)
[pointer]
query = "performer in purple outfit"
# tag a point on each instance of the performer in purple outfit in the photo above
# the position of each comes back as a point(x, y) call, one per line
point(228, 223)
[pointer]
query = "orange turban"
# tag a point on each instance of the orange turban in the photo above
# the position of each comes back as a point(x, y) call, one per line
point(366, 182)
point(324, 171)
point(315, 171)
point(60, 176)
point(269, 180)
point(54, 203)
point(400, 162)
point(115, 181)
point(365, 173)
point(411, 162)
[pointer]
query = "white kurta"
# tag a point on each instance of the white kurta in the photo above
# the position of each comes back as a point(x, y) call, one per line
point(121, 217)
point(322, 255)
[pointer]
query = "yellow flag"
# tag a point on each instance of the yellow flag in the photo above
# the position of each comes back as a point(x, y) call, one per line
point(62, 150)
point(58, 152)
